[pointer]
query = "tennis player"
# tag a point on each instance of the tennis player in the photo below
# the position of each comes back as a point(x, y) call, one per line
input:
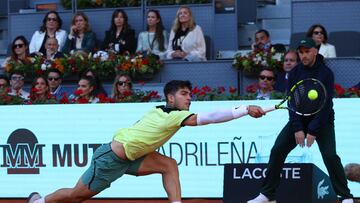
point(319, 127)
point(132, 150)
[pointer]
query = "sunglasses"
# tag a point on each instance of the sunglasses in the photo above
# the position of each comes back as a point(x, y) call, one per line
point(51, 79)
point(262, 77)
point(52, 19)
point(18, 46)
point(318, 33)
point(17, 78)
point(121, 83)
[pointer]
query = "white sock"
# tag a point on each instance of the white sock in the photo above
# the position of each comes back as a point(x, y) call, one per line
point(176, 202)
point(41, 200)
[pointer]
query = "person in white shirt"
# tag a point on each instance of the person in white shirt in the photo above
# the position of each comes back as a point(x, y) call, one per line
point(51, 28)
point(318, 33)
point(186, 39)
point(153, 40)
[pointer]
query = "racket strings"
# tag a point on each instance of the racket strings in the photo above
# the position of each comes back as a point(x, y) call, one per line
point(301, 102)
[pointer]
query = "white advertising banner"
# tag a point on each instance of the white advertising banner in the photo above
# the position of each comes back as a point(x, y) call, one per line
point(47, 147)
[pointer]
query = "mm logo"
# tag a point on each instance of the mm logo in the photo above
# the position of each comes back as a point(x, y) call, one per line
point(22, 154)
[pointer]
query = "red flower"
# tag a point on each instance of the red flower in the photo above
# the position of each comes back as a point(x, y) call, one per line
point(103, 98)
point(34, 90)
point(340, 91)
point(252, 88)
point(64, 99)
point(206, 88)
point(195, 90)
point(220, 90)
point(354, 90)
point(39, 72)
point(82, 100)
point(232, 90)
point(127, 93)
point(145, 61)
point(78, 92)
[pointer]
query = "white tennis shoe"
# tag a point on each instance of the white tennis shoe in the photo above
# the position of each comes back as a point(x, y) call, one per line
point(33, 197)
point(261, 199)
point(348, 201)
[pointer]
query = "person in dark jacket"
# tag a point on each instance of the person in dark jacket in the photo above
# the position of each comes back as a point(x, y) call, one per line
point(120, 37)
point(319, 127)
point(81, 38)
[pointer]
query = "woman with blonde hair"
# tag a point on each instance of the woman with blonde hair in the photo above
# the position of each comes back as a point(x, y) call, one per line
point(122, 88)
point(81, 38)
point(186, 38)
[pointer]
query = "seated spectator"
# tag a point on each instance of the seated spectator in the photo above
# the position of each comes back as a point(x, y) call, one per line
point(51, 28)
point(19, 52)
point(352, 172)
point(120, 38)
point(291, 59)
point(186, 39)
point(263, 43)
point(17, 84)
point(266, 83)
point(85, 93)
point(4, 82)
point(52, 47)
point(318, 33)
point(122, 88)
point(154, 39)
point(54, 78)
point(81, 39)
point(40, 93)
point(99, 86)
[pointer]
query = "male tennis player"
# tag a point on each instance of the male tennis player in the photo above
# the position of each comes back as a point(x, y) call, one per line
point(319, 126)
point(132, 150)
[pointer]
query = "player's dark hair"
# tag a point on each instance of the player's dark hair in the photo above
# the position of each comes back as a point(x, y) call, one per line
point(173, 86)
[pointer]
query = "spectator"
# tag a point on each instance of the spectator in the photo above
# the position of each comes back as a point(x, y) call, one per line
point(81, 39)
point(263, 43)
point(99, 86)
point(318, 33)
point(266, 83)
point(291, 59)
point(52, 49)
point(40, 92)
point(120, 37)
point(54, 78)
point(85, 93)
point(154, 39)
point(20, 51)
point(352, 172)
point(4, 82)
point(17, 84)
point(51, 28)
point(186, 38)
point(122, 88)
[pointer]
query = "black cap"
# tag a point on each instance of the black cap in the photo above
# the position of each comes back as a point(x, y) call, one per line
point(307, 43)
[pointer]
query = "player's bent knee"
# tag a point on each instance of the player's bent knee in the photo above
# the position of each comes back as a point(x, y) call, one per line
point(171, 165)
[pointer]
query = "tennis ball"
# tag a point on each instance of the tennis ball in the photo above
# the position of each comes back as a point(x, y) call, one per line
point(312, 94)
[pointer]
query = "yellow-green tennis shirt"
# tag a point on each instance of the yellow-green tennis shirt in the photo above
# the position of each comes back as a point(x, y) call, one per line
point(155, 128)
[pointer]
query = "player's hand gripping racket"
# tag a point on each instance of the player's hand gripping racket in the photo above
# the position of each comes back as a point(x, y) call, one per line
point(307, 97)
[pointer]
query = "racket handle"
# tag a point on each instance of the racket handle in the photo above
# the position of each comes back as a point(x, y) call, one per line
point(268, 109)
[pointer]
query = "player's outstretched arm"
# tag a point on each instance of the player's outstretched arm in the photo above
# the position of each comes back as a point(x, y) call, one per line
point(224, 115)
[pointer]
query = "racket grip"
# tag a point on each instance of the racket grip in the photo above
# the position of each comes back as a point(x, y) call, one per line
point(268, 109)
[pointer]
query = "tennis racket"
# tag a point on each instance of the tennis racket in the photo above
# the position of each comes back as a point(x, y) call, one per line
point(307, 97)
